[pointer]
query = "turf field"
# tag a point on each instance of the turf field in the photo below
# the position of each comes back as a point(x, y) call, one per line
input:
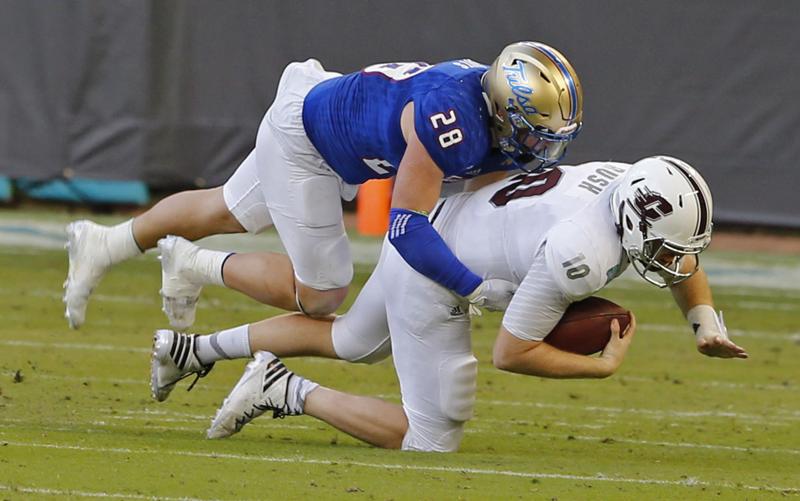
point(76, 418)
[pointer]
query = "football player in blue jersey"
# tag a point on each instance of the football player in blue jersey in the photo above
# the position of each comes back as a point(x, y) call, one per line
point(324, 134)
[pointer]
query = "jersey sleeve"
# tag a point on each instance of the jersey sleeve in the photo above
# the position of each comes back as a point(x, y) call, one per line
point(453, 127)
point(573, 261)
point(538, 303)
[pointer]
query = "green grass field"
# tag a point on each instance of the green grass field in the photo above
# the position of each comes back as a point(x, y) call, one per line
point(77, 420)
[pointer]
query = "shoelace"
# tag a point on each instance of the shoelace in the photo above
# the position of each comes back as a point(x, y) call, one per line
point(247, 416)
point(198, 374)
point(278, 412)
point(203, 372)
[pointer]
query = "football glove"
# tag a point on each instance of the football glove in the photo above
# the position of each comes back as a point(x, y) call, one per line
point(493, 294)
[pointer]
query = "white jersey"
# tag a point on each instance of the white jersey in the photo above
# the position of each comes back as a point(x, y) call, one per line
point(552, 233)
point(554, 227)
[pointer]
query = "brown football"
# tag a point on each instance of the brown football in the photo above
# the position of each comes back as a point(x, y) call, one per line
point(585, 327)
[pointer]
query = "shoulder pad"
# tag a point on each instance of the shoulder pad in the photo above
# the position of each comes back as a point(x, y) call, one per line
point(573, 261)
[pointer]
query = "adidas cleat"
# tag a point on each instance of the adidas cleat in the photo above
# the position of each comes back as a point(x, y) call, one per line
point(88, 262)
point(180, 289)
point(174, 358)
point(263, 387)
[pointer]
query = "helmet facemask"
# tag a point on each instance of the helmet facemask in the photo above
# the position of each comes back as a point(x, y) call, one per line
point(663, 212)
point(534, 147)
point(661, 262)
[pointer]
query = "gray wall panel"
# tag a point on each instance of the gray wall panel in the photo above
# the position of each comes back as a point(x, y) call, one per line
point(172, 91)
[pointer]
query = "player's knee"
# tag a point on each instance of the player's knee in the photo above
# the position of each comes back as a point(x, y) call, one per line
point(457, 386)
point(359, 347)
point(316, 303)
point(323, 269)
point(432, 434)
point(441, 429)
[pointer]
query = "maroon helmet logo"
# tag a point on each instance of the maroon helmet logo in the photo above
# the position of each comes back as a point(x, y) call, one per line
point(651, 205)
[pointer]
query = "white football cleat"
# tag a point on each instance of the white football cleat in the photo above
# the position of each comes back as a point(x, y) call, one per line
point(88, 262)
point(174, 358)
point(263, 387)
point(180, 286)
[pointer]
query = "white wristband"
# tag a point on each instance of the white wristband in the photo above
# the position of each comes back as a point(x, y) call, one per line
point(704, 315)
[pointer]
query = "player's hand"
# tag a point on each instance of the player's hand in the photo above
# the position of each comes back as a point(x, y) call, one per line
point(719, 346)
point(714, 342)
point(493, 294)
point(617, 346)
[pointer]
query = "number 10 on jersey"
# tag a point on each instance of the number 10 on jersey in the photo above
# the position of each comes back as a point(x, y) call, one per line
point(449, 137)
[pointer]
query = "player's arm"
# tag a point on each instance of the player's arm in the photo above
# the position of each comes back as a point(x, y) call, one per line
point(416, 190)
point(419, 180)
point(537, 358)
point(695, 300)
point(536, 308)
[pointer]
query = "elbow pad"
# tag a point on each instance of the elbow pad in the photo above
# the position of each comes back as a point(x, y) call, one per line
point(423, 249)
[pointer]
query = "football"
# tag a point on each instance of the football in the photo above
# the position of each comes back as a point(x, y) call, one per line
point(585, 327)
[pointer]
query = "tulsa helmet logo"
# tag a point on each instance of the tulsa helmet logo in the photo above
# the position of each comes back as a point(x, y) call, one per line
point(651, 205)
point(517, 81)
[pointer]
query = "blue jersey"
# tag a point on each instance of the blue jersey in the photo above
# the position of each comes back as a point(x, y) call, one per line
point(354, 120)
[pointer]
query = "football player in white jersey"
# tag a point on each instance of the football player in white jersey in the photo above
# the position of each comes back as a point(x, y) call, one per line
point(562, 235)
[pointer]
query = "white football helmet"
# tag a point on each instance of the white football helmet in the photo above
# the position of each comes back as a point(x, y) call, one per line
point(663, 212)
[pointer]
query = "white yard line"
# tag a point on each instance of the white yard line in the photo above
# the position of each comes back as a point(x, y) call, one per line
point(777, 413)
point(206, 419)
point(70, 426)
point(690, 445)
point(709, 383)
point(143, 381)
point(718, 384)
point(45, 491)
point(739, 290)
point(599, 477)
point(649, 443)
point(792, 336)
point(634, 283)
point(73, 346)
point(151, 298)
point(750, 305)
point(21, 233)
point(474, 427)
point(751, 273)
point(145, 298)
point(611, 411)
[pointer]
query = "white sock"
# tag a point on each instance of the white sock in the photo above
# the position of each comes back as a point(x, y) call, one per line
point(120, 242)
point(299, 388)
point(224, 345)
point(208, 265)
